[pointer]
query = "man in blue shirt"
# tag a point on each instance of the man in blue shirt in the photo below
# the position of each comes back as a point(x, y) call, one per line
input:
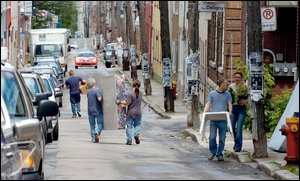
point(95, 111)
point(73, 84)
point(218, 100)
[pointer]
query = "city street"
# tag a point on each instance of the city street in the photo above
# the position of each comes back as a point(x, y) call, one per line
point(164, 153)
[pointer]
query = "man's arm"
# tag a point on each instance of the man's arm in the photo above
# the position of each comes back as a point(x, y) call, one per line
point(207, 106)
point(100, 98)
point(230, 107)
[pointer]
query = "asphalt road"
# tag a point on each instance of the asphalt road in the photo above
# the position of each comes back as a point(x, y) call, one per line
point(164, 153)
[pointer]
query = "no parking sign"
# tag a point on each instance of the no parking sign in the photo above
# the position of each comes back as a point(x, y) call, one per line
point(268, 19)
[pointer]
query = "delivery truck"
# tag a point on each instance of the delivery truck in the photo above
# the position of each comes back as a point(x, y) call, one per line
point(50, 42)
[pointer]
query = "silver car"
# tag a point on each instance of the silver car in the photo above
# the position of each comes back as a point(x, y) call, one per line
point(21, 111)
point(13, 158)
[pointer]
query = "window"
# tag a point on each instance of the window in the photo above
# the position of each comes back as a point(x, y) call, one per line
point(12, 95)
point(32, 85)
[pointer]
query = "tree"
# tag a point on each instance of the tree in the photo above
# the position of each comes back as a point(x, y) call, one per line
point(65, 10)
point(141, 11)
point(257, 108)
point(166, 51)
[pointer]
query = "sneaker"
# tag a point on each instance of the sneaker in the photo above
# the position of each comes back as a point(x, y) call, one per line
point(137, 140)
point(79, 114)
point(129, 142)
point(96, 138)
point(211, 157)
point(74, 116)
point(220, 158)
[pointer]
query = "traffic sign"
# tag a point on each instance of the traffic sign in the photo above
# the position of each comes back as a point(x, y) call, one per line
point(268, 19)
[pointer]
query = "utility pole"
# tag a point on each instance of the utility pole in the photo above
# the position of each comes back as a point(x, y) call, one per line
point(193, 100)
point(113, 21)
point(255, 40)
point(145, 63)
point(129, 24)
point(166, 56)
point(119, 25)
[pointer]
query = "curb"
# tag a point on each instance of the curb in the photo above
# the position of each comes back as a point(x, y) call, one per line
point(270, 168)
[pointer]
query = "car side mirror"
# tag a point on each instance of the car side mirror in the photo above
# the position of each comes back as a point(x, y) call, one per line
point(41, 96)
point(27, 129)
point(58, 94)
point(47, 108)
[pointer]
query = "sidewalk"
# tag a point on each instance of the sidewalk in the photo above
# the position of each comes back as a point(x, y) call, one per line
point(272, 166)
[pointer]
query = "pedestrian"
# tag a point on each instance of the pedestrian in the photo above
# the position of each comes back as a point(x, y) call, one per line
point(239, 93)
point(73, 84)
point(134, 113)
point(95, 112)
point(218, 100)
point(121, 97)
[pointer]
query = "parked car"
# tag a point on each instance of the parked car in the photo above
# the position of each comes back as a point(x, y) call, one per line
point(21, 110)
point(108, 54)
point(12, 158)
point(36, 85)
point(86, 59)
point(44, 69)
point(52, 62)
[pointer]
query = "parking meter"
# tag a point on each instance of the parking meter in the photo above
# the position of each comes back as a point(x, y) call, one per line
point(167, 72)
point(256, 76)
point(192, 74)
point(145, 66)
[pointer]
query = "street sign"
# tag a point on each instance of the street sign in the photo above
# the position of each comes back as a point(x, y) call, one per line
point(213, 7)
point(28, 8)
point(268, 19)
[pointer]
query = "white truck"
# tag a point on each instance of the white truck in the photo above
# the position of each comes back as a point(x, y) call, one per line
point(50, 42)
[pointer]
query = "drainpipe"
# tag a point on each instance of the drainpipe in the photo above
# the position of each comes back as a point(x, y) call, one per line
point(216, 39)
point(223, 40)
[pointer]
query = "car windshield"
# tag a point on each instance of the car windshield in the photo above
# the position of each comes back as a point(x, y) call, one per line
point(12, 95)
point(51, 64)
point(86, 55)
point(47, 85)
point(44, 71)
point(32, 85)
point(48, 50)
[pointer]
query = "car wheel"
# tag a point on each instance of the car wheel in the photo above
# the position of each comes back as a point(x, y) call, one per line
point(76, 67)
point(107, 65)
point(56, 132)
point(96, 67)
point(49, 137)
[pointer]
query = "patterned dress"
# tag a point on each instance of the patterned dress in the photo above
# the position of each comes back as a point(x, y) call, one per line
point(120, 95)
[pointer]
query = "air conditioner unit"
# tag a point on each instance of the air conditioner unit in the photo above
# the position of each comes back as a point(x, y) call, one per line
point(220, 70)
point(212, 64)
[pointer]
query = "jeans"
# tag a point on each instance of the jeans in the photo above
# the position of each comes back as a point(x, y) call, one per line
point(136, 123)
point(75, 103)
point(222, 127)
point(98, 130)
point(237, 119)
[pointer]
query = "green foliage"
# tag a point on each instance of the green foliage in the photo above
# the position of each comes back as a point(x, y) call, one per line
point(65, 10)
point(273, 107)
point(278, 105)
point(241, 67)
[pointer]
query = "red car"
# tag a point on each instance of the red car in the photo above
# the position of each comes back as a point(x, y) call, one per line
point(87, 59)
